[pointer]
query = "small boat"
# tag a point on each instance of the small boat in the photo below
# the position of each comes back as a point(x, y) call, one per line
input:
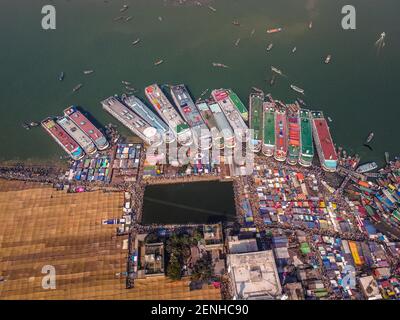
point(124, 8)
point(79, 86)
point(61, 76)
point(387, 157)
point(157, 63)
point(220, 65)
point(136, 41)
point(310, 25)
point(276, 70)
point(302, 102)
point(130, 88)
point(237, 42)
point(370, 137)
point(88, 72)
point(236, 23)
point(328, 58)
point(33, 124)
point(160, 18)
point(118, 18)
point(272, 81)
point(25, 126)
point(125, 83)
point(270, 46)
point(274, 30)
point(212, 9)
point(330, 119)
point(128, 18)
point(367, 167)
point(294, 49)
point(252, 32)
point(297, 89)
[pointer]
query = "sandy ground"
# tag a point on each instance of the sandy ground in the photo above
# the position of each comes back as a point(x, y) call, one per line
point(41, 226)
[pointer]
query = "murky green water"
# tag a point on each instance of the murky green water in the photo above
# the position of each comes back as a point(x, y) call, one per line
point(358, 90)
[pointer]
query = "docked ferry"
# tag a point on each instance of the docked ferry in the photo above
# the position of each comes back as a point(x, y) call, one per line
point(87, 127)
point(324, 143)
point(69, 145)
point(294, 136)
point(306, 139)
point(232, 113)
point(223, 124)
point(268, 129)
point(149, 116)
point(168, 113)
point(132, 121)
point(256, 119)
point(211, 122)
point(78, 135)
point(281, 144)
point(192, 116)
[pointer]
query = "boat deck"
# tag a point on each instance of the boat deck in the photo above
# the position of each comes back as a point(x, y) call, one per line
point(256, 112)
point(269, 124)
point(165, 109)
point(238, 104)
point(131, 120)
point(307, 147)
point(324, 135)
point(62, 137)
point(77, 134)
point(87, 127)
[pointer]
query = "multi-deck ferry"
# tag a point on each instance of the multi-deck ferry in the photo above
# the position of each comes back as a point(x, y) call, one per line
point(306, 140)
point(256, 119)
point(132, 121)
point(192, 116)
point(168, 113)
point(78, 135)
point(323, 141)
point(223, 125)
point(211, 122)
point(69, 145)
point(149, 116)
point(294, 136)
point(268, 129)
point(222, 97)
point(280, 153)
point(238, 104)
point(87, 127)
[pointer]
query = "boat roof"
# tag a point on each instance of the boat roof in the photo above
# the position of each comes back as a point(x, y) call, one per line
point(143, 111)
point(207, 115)
point(187, 107)
point(60, 134)
point(324, 135)
point(220, 118)
point(237, 102)
point(232, 114)
point(306, 134)
point(77, 134)
point(165, 109)
point(256, 112)
point(88, 127)
point(281, 130)
point(269, 125)
point(130, 119)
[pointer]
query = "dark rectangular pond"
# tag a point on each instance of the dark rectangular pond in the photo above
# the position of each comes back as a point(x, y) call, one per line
point(199, 202)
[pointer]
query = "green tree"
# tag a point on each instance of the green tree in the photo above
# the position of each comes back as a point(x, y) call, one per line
point(174, 268)
point(203, 269)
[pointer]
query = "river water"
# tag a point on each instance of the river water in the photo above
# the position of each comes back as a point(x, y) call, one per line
point(358, 90)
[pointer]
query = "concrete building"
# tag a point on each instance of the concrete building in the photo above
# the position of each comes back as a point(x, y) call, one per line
point(254, 276)
point(370, 288)
point(237, 245)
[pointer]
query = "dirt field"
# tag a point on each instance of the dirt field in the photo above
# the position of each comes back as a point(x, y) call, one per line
point(41, 226)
